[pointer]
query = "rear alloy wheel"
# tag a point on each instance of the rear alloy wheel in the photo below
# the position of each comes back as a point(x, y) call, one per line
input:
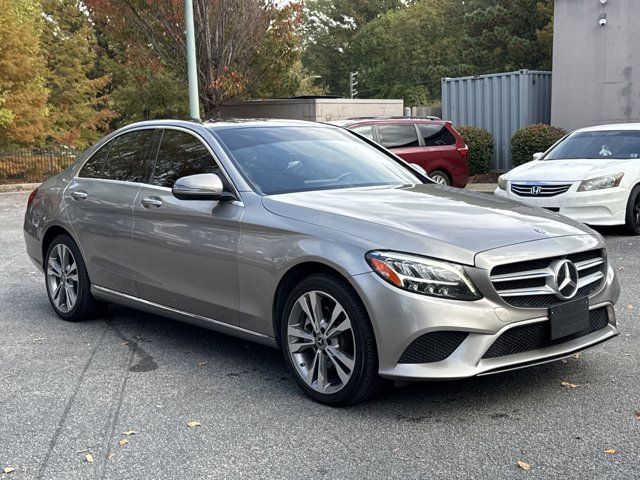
point(632, 220)
point(440, 177)
point(68, 285)
point(328, 341)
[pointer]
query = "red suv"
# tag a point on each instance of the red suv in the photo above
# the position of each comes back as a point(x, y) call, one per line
point(432, 144)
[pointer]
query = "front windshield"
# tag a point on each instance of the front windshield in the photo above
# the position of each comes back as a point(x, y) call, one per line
point(294, 159)
point(605, 145)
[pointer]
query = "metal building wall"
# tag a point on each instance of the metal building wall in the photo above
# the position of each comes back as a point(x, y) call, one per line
point(501, 103)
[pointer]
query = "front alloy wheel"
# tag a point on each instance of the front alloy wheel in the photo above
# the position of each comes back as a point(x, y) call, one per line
point(328, 341)
point(321, 342)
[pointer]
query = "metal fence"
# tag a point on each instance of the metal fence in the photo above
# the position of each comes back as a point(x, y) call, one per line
point(25, 165)
point(502, 103)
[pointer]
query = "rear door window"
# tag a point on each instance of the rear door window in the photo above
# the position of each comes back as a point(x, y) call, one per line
point(364, 130)
point(128, 156)
point(181, 154)
point(402, 135)
point(93, 167)
point(436, 135)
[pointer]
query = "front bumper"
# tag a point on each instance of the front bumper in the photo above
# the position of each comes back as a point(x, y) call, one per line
point(597, 207)
point(399, 317)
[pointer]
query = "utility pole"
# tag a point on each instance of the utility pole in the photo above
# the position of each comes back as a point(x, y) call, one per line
point(192, 73)
point(352, 84)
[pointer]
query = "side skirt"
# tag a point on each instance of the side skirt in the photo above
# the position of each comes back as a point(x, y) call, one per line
point(111, 296)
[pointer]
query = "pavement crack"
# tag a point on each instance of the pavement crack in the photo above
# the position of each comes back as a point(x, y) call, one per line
point(69, 404)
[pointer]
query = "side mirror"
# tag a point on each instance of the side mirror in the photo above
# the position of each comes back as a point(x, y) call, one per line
point(538, 155)
point(202, 186)
point(419, 169)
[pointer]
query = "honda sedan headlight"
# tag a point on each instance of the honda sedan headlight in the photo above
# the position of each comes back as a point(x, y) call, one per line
point(423, 275)
point(502, 182)
point(600, 183)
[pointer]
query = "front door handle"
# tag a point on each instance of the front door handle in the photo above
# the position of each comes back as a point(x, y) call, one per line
point(79, 195)
point(151, 202)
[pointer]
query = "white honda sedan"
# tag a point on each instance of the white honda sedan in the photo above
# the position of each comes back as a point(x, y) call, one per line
point(592, 175)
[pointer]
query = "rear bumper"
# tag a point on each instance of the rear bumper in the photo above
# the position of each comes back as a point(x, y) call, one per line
point(598, 207)
point(34, 249)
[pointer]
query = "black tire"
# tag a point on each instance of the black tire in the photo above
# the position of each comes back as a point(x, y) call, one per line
point(442, 174)
point(632, 218)
point(86, 306)
point(364, 379)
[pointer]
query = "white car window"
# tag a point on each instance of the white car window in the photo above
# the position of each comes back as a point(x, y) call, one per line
point(606, 144)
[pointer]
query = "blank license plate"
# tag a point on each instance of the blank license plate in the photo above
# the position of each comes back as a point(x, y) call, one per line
point(569, 317)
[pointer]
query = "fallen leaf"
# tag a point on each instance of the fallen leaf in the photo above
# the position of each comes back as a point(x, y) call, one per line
point(637, 413)
point(611, 451)
point(89, 458)
point(621, 269)
point(202, 364)
point(629, 307)
point(569, 385)
point(123, 442)
point(8, 470)
point(125, 343)
point(110, 456)
point(577, 356)
point(194, 424)
point(523, 465)
point(130, 432)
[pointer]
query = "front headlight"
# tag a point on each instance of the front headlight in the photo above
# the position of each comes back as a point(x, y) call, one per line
point(502, 182)
point(423, 275)
point(600, 183)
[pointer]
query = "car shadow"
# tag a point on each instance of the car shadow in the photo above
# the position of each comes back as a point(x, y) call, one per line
point(494, 395)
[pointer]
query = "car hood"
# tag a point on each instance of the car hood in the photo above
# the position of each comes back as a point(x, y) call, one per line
point(430, 220)
point(563, 170)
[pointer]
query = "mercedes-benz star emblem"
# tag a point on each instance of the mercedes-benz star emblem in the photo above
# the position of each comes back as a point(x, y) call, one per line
point(565, 279)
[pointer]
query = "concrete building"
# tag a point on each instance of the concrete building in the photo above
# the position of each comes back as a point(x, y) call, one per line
point(596, 62)
point(313, 109)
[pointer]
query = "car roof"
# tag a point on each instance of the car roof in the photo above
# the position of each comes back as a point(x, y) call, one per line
point(385, 120)
point(613, 126)
point(219, 124)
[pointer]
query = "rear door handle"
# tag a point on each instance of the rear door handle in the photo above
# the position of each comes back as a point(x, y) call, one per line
point(151, 202)
point(79, 195)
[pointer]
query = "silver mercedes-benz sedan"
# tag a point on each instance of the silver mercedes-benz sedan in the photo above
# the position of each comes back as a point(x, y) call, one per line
point(314, 240)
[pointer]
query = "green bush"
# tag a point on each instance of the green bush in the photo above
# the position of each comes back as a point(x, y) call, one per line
point(481, 149)
point(533, 139)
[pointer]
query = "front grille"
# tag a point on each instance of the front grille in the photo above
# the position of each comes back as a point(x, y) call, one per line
point(539, 190)
point(535, 336)
point(528, 284)
point(432, 347)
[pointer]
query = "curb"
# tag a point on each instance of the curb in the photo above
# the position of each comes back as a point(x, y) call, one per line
point(482, 187)
point(18, 187)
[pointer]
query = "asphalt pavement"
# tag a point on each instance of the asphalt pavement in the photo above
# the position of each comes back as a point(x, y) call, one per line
point(112, 398)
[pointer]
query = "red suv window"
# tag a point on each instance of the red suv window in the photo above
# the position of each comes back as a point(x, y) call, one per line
point(436, 135)
point(400, 135)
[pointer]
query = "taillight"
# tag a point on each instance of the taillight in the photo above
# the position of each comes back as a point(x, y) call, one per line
point(32, 195)
point(463, 150)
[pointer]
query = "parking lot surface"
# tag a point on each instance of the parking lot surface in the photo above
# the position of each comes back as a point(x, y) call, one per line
point(69, 392)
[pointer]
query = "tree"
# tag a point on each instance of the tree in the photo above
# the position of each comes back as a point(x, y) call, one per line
point(242, 45)
point(329, 28)
point(77, 101)
point(23, 95)
point(503, 35)
point(405, 53)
